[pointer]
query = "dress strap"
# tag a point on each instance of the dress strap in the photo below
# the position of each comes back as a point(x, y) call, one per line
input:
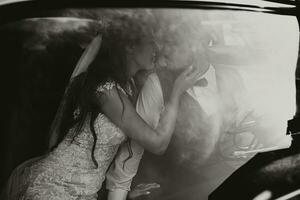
point(108, 85)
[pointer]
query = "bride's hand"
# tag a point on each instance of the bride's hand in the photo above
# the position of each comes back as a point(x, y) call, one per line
point(186, 80)
point(265, 195)
point(142, 189)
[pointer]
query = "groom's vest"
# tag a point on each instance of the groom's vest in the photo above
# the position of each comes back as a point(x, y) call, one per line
point(196, 134)
point(192, 148)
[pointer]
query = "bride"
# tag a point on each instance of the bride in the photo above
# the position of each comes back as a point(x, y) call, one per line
point(99, 115)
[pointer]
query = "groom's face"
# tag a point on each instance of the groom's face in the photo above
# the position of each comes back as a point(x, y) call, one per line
point(178, 55)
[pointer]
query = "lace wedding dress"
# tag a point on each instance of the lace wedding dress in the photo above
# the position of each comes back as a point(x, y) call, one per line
point(68, 172)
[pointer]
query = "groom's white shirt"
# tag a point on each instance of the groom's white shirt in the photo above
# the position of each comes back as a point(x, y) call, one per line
point(150, 104)
point(206, 96)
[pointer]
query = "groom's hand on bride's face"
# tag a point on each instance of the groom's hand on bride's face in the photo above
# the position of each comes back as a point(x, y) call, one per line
point(142, 189)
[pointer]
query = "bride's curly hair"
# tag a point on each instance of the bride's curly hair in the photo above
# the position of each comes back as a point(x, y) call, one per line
point(110, 63)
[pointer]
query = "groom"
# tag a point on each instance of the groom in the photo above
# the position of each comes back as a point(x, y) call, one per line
point(191, 167)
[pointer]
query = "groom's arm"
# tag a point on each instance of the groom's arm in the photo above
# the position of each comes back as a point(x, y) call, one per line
point(120, 174)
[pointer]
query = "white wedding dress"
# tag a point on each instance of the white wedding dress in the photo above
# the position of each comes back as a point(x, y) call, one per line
point(68, 172)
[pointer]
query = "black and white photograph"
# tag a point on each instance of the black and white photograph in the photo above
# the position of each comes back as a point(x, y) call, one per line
point(158, 100)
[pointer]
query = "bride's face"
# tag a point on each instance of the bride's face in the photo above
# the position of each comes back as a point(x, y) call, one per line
point(144, 55)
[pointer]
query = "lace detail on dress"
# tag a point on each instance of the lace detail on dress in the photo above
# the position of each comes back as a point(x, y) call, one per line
point(69, 172)
point(110, 85)
point(106, 87)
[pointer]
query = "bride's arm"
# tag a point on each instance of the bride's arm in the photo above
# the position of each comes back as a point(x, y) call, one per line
point(118, 108)
point(120, 174)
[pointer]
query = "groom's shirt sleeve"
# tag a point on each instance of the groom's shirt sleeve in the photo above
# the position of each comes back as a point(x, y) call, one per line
point(149, 105)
